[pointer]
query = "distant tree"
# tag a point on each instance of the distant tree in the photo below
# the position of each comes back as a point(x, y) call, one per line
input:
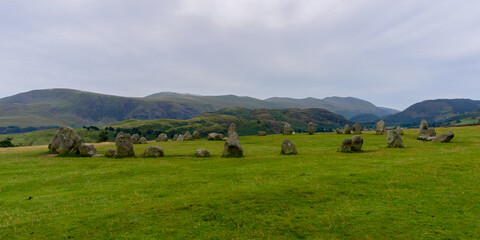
point(102, 137)
point(6, 143)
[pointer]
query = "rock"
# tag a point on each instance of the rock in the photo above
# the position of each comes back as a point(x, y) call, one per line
point(196, 135)
point(97, 155)
point(162, 138)
point(400, 131)
point(143, 140)
point(212, 136)
point(262, 133)
point(311, 128)
point(357, 129)
point(220, 137)
point(202, 152)
point(65, 141)
point(232, 147)
point(87, 149)
point(175, 137)
point(357, 143)
point(232, 128)
point(288, 148)
point(431, 132)
point(180, 138)
point(381, 128)
point(152, 152)
point(423, 128)
point(287, 129)
point(345, 146)
point(444, 137)
point(110, 152)
point(187, 136)
point(347, 130)
point(394, 140)
point(135, 138)
point(124, 144)
point(425, 138)
point(338, 131)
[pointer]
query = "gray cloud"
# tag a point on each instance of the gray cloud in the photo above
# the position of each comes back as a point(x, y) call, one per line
point(393, 53)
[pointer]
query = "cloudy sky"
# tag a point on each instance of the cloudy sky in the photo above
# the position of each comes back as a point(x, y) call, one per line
point(392, 53)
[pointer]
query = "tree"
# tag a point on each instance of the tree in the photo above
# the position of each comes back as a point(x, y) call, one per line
point(6, 143)
point(102, 137)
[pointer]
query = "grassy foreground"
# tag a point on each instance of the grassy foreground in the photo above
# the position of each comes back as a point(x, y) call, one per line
point(427, 191)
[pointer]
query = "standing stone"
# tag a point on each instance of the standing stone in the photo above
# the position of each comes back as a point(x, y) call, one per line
point(287, 129)
point(212, 136)
point(444, 137)
point(431, 132)
point(87, 149)
point(232, 128)
point(381, 128)
point(394, 140)
point(135, 138)
point(187, 136)
point(124, 144)
point(152, 152)
point(399, 130)
point(110, 153)
point(423, 128)
point(65, 141)
point(180, 138)
point(202, 153)
point(338, 131)
point(357, 143)
point(162, 138)
point(311, 128)
point(345, 146)
point(143, 140)
point(357, 129)
point(347, 130)
point(288, 148)
point(219, 137)
point(232, 147)
point(175, 137)
point(196, 135)
point(262, 133)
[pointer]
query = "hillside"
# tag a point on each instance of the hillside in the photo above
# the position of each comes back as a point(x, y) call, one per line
point(39, 109)
point(433, 111)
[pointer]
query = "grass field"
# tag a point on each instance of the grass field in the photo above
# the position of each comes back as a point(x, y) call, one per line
point(426, 191)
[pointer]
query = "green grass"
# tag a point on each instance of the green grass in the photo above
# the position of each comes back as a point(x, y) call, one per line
point(426, 191)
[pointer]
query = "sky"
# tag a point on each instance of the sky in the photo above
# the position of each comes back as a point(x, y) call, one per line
point(391, 53)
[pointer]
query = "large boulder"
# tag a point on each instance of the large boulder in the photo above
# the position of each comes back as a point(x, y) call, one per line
point(212, 136)
point(202, 153)
point(345, 145)
point(175, 137)
point(65, 141)
point(394, 140)
point(311, 128)
point(196, 135)
point(87, 149)
point(162, 138)
point(232, 147)
point(152, 152)
point(357, 143)
point(124, 144)
point(287, 129)
point(187, 136)
point(347, 130)
point(381, 130)
point(288, 148)
point(423, 128)
point(357, 129)
point(180, 138)
point(135, 138)
point(444, 137)
point(143, 140)
point(262, 133)
point(338, 131)
point(110, 152)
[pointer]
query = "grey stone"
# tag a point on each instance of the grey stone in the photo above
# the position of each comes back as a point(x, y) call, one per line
point(220, 137)
point(212, 136)
point(175, 137)
point(288, 148)
point(180, 138)
point(287, 129)
point(135, 138)
point(124, 144)
point(345, 145)
point(65, 141)
point(444, 137)
point(187, 136)
point(357, 143)
point(87, 149)
point(400, 131)
point(423, 128)
point(394, 140)
point(232, 128)
point(152, 152)
point(347, 130)
point(357, 129)
point(196, 135)
point(311, 128)
point(338, 131)
point(202, 152)
point(162, 138)
point(262, 133)
point(431, 132)
point(381, 130)
point(232, 147)
point(110, 152)
point(143, 140)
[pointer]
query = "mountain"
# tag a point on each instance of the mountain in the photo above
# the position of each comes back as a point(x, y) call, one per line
point(365, 117)
point(48, 108)
point(433, 111)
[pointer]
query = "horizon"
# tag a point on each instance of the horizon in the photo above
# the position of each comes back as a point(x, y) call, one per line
point(392, 54)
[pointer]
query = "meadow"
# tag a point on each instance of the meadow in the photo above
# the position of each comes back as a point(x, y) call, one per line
point(426, 191)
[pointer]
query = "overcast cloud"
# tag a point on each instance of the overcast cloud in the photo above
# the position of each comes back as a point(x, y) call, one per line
point(392, 53)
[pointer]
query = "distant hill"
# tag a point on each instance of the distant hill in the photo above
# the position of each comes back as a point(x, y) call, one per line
point(365, 117)
point(40, 109)
point(433, 111)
